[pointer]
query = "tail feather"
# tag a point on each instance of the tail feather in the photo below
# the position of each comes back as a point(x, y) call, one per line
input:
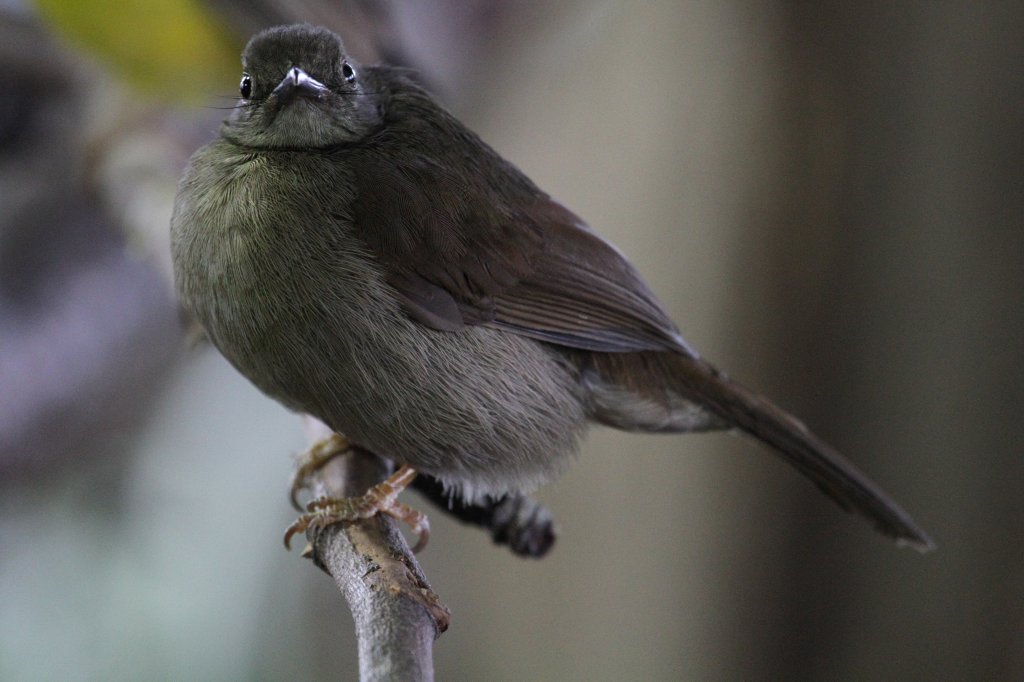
point(820, 462)
point(652, 378)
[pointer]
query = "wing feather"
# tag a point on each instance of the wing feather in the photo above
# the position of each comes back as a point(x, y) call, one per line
point(465, 238)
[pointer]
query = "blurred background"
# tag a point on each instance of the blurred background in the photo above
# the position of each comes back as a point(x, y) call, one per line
point(828, 197)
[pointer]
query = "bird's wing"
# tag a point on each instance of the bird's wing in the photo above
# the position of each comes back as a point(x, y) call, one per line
point(502, 253)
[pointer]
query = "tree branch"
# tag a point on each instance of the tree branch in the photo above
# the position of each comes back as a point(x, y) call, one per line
point(397, 616)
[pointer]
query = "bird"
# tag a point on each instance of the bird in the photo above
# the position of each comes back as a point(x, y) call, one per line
point(361, 256)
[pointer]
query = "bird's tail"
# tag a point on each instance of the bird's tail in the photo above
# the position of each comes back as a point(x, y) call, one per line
point(732, 405)
point(820, 462)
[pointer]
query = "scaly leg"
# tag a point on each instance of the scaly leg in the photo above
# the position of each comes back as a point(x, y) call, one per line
point(380, 499)
point(322, 452)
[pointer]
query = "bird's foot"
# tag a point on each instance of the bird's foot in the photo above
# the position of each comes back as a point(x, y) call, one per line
point(380, 499)
point(312, 460)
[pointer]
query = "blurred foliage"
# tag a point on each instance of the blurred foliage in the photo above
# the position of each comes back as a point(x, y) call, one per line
point(169, 49)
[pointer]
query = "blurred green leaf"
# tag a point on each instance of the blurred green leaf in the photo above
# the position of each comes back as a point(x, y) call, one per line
point(170, 49)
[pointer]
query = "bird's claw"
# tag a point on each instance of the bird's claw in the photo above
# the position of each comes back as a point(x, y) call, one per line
point(380, 499)
point(313, 460)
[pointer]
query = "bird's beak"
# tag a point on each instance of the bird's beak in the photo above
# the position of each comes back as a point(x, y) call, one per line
point(297, 83)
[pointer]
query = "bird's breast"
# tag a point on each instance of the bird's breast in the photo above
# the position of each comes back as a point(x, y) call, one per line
point(303, 310)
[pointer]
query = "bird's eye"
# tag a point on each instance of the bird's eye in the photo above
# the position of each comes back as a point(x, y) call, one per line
point(245, 87)
point(348, 72)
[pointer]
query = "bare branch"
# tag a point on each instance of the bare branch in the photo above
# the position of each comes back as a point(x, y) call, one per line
point(397, 616)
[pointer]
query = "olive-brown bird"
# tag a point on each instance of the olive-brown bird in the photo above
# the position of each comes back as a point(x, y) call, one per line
point(361, 256)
